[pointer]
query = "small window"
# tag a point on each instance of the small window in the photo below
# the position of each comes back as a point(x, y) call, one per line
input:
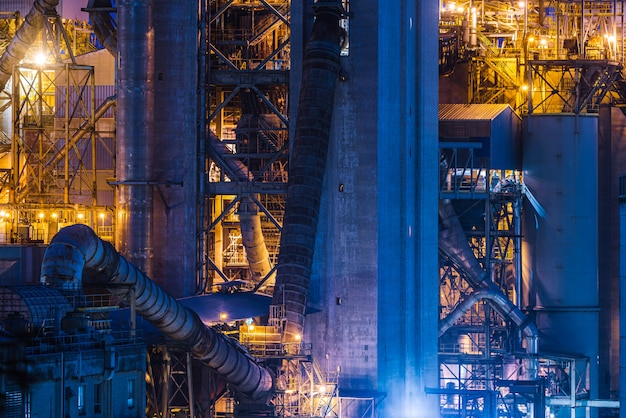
point(97, 398)
point(345, 24)
point(81, 399)
point(131, 393)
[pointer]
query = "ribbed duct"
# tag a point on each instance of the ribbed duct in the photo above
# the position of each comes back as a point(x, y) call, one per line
point(76, 254)
point(320, 69)
point(24, 38)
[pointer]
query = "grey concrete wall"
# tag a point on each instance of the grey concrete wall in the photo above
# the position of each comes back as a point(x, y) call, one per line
point(375, 277)
point(345, 270)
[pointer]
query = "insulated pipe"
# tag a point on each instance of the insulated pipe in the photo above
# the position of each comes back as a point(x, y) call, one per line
point(24, 38)
point(453, 243)
point(103, 24)
point(507, 309)
point(320, 69)
point(252, 239)
point(76, 254)
point(233, 167)
point(249, 218)
point(85, 127)
point(135, 138)
point(503, 305)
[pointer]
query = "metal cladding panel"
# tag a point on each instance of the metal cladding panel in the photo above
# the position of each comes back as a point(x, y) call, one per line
point(11, 6)
point(68, 9)
point(560, 231)
point(20, 264)
point(496, 125)
point(102, 93)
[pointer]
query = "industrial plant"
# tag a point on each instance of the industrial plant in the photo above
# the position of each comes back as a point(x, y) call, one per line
point(326, 208)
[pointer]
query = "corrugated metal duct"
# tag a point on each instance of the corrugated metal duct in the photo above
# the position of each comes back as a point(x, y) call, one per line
point(320, 70)
point(76, 254)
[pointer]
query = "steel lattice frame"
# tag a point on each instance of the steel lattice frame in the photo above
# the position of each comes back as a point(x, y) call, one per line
point(248, 47)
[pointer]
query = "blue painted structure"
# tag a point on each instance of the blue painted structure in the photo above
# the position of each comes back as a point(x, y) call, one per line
point(560, 241)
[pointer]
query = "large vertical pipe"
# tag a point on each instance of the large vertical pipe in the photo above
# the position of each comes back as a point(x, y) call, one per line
point(135, 122)
point(24, 38)
point(320, 69)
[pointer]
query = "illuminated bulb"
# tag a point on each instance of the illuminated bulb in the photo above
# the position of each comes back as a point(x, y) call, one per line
point(531, 39)
point(298, 337)
point(322, 389)
point(40, 215)
point(3, 213)
point(611, 38)
point(543, 42)
point(102, 216)
point(40, 58)
point(524, 87)
point(80, 216)
point(54, 216)
point(223, 316)
point(521, 4)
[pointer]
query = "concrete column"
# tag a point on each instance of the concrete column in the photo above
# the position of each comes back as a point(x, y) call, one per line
point(407, 208)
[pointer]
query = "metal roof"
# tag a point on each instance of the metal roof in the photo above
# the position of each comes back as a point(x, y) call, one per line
point(469, 112)
point(38, 304)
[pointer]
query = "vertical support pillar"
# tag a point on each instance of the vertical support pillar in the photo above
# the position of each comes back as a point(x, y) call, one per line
point(407, 208)
point(622, 291)
point(190, 386)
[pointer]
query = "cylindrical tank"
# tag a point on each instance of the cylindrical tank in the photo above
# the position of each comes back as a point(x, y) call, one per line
point(135, 128)
point(560, 233)
point(174, 162)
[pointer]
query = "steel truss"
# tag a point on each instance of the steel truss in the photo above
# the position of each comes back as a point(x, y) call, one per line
point(247, 49)
point(563, 58)
point(566, 86)
point(58, 156)
point(55, 148)
point(481, 348)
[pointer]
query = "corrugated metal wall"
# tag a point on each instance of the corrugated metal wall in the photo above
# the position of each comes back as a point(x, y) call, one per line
point(102, 93)
point(22, 6)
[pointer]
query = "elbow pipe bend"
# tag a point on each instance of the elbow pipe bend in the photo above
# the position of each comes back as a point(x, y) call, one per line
point(76, 253)
point(504, 306)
